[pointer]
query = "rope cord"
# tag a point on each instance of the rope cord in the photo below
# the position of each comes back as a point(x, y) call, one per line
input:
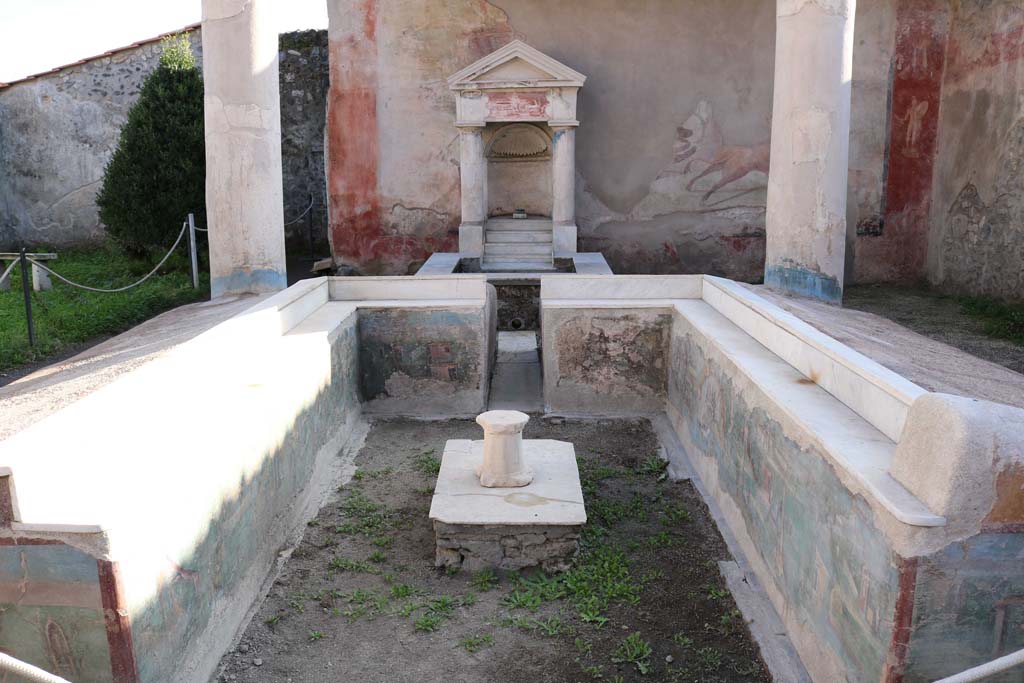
point(32, 673)
point(9, 269)
point(119, 289)
point(303, 215)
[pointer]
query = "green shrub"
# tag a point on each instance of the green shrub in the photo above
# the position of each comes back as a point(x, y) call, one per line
point(157, 175)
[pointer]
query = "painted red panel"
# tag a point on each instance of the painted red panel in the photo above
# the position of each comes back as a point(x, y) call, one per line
point(903, 620)
point(119, 632)
point(900, 251)
point(352, 140)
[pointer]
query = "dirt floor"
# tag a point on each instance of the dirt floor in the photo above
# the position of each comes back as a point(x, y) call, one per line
point(361, 600)
point(938, 317)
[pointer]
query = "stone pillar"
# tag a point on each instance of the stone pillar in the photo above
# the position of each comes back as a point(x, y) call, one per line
point(503, 464)
point(244, 195)
point(473, 173)
point(807, 182)
point(563, 175)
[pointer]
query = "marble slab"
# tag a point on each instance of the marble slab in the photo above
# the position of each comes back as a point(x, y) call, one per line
point(554, 497)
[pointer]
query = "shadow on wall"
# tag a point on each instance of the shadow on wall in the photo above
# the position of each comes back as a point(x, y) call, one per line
point(178, 634)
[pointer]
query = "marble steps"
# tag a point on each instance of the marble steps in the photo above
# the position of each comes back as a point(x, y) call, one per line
point(531, 236)
point(522, 224)
point(518, 249)
point(497, 265)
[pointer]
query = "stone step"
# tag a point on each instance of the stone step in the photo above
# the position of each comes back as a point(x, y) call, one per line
point(529, 224)
point(517, 249)
point(492, 265)
point(539, 236)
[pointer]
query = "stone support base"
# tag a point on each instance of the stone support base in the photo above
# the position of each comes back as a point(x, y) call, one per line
point(477, 547)
point(471, 240)
point(564, 237)
point(537, 525)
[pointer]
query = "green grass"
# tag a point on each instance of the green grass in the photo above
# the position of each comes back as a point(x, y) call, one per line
point(65, 316)
point(427, 463)
point(477, 643)
point(634, 649)
point(1001, 320)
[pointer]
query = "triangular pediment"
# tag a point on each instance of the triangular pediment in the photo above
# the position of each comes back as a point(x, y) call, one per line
point(517, 65)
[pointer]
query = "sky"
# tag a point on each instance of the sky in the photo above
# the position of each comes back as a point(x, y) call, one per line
point(38, 35)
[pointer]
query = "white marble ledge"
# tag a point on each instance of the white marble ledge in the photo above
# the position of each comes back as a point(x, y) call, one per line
point(625, 287)
point(608, 303)
point(553, 498)
point(880, 395)
point(325, 320)
point(847, 439)
point(472, 287)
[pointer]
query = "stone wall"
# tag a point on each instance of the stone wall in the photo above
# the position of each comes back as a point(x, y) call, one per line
point(976, 237)
point(304, 83)
point(58, 130)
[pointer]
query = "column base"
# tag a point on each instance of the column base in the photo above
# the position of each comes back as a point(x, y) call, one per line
point(564, 240)
point(471, 240)
point(792, 279)
point(244, 281)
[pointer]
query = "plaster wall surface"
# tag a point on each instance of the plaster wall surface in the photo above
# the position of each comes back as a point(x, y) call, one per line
point(189, 554)
point(888, 540)
point(244, 196)
point(673, 147)
point(54, 590)
point(976, 238)
point(431, 360)
point(605, 361)
point(151, 584)
point(827, 568)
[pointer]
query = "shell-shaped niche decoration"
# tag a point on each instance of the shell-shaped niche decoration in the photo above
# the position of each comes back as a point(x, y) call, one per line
point(519, 142)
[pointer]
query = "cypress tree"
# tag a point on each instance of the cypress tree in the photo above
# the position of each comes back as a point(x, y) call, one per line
point(157, 174)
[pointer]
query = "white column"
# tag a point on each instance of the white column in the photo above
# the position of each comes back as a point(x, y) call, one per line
point(473, 173)
point(563, 176)
point(244, 196)
point(807, 183)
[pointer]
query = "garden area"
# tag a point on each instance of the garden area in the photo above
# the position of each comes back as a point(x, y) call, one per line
point(360, 599)
point(154, 179)
point(68, 319)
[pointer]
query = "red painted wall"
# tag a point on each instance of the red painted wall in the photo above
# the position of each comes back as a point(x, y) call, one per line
point(352, 141)
point(898, 251)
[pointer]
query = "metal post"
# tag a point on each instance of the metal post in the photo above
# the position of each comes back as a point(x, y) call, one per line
point(309, 229)
point(27, 289)
point(192, 250)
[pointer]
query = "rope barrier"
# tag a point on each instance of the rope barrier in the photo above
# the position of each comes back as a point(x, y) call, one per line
point(301, 216)
point(23, 669)
point(303, 213)
point(9, 269)
point(119, 289)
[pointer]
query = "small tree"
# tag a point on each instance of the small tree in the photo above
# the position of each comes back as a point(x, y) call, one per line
point(157, 175)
